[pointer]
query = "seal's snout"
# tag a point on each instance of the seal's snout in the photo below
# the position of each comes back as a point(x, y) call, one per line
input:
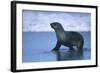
point(51, 25)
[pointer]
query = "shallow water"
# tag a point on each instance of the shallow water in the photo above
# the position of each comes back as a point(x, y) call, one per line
point(37, 47)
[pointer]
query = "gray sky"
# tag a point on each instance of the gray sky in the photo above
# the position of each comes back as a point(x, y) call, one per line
point(40, 20)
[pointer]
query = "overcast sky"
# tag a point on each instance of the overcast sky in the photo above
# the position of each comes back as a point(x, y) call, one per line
point(40, 20)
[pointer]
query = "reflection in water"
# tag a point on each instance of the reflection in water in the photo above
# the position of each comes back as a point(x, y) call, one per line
point(69, 55)
point(61, 55)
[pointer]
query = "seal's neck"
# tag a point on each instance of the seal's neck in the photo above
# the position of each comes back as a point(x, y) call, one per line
point(61, 35)
point(61, 30)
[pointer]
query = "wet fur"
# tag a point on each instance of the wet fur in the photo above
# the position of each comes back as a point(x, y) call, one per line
point(70, 39)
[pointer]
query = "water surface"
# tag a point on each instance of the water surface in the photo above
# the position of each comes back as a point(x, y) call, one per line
point(37, 47)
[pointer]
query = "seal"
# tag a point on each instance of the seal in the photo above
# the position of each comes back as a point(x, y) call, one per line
point(71, 39)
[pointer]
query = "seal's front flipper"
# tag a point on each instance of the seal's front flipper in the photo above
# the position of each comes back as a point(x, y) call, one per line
point(71, 48)
point(57, 46)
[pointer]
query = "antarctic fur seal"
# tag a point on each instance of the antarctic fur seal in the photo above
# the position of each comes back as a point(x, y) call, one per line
point(70, 39)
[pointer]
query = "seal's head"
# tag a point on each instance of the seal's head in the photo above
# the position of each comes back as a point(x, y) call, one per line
point(56, 26)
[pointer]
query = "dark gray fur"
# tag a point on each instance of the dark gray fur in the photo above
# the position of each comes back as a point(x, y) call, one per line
point(70, 39)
